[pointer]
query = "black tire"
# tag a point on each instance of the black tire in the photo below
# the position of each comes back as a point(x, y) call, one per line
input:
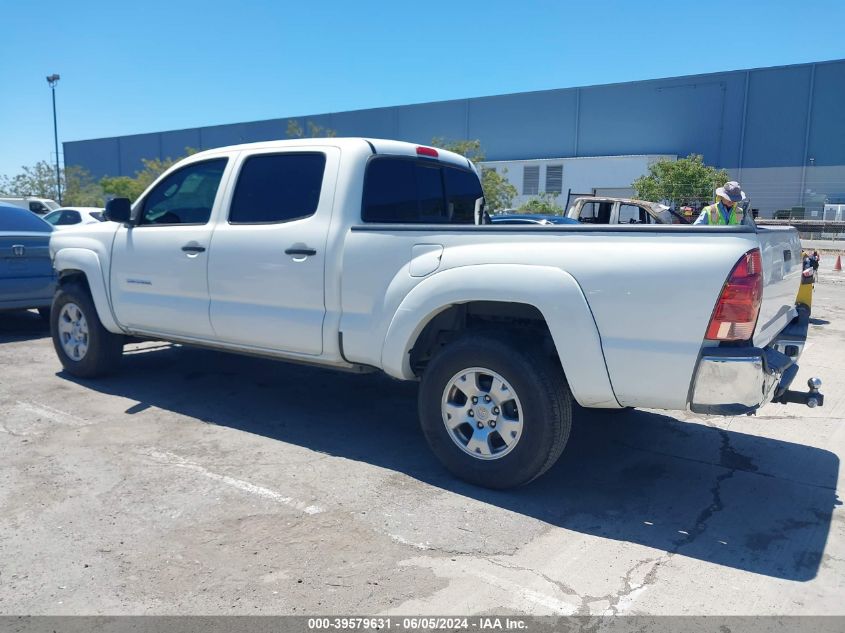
point(104, 348)
point(44, 313)
point(545, 398)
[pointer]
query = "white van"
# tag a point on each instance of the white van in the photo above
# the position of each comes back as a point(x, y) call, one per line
point(36, 205)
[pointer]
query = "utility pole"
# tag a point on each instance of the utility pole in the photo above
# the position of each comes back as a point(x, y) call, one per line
point(52, 80)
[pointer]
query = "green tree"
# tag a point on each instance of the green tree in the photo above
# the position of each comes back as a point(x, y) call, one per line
point(544, 203)
point(498, 192)
point(38, 181)
point(686, 181)
point(314, 131)
point(80, 189)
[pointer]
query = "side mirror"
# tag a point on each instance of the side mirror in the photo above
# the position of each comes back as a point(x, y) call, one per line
point(118, 210)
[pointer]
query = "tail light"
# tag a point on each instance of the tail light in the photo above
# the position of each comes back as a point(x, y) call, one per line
point(427, 151)
point(735, 314)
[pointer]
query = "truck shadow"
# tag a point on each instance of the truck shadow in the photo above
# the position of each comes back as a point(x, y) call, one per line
point(743, 501)
point(22, 325)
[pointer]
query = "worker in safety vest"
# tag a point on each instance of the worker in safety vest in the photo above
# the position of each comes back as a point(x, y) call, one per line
point(726, 210)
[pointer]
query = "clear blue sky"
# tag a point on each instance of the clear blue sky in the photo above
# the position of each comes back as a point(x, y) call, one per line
point(149, 65)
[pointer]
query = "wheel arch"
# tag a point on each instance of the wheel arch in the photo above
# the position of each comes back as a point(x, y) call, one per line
point(83, 266)
point(548, 297)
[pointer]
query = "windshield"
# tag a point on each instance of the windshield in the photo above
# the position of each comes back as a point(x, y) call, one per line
point(52, 217)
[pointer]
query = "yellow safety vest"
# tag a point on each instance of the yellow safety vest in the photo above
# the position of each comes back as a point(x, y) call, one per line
point(715, 217)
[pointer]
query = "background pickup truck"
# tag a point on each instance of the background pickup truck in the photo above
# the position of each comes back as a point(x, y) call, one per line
point(595, 210)
point(366, 254)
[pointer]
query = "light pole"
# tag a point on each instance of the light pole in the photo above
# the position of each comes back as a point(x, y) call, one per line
point(53, 80)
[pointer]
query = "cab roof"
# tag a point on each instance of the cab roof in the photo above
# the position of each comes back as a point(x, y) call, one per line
point(376, 146)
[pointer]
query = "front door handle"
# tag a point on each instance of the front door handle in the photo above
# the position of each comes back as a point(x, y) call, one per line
point(300, 251)
point(193, 248)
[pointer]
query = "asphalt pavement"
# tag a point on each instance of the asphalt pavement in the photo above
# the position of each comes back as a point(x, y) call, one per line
point(197, 482)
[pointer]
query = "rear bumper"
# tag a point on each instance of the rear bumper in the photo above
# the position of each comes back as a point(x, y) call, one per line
point(738, 380)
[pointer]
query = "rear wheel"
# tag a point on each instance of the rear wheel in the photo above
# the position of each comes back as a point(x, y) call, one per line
point(85, 348)
point(496, 414)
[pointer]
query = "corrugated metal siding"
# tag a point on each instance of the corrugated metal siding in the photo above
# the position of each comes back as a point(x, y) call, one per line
point(739, 120)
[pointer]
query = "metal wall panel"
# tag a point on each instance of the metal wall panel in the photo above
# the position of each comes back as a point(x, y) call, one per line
point(134, 148)
point(263, 130)
point(220, 136)
point(174, 144)
point(421, 123)
point(827, 127)
point(523, 126)
point(776, 125)
point(375, 123)
point(752, 122)
point(101, 157)
point(652, 118)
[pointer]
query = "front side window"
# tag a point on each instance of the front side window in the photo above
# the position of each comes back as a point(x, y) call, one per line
point(407, 191)
point(186, 196)
point(595, 212)
point(633, 214)
point(278, 188)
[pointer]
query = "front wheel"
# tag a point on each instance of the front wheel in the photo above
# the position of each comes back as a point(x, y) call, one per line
point(85, 348)
point(497, 414)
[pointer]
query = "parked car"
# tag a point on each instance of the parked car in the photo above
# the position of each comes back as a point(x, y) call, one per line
point(74, 216)
point(531, 218)
point(40, 206)
point(27, 279)
point(599, 210)
point(366, 254)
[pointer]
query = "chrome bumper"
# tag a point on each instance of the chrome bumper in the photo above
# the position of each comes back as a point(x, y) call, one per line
point(738, 380)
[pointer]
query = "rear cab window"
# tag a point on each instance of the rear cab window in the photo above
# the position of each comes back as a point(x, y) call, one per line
point(400, 190)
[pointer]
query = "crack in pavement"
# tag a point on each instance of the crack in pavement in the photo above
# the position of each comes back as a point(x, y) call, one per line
point(730, 459)
point(564, 588)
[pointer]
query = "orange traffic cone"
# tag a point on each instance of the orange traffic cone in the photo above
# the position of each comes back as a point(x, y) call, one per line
point(838, 265)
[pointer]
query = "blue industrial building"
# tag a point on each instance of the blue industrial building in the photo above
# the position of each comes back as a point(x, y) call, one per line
point(780, 130)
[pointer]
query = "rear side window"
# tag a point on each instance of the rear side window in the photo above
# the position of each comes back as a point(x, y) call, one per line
point(278, 188)
point(408, 191)
point(18, 219)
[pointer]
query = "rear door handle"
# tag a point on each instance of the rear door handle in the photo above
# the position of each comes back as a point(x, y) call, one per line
point(300, 251)
point(193, 248)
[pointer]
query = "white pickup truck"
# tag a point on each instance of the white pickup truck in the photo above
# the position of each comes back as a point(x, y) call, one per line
point(364, 254)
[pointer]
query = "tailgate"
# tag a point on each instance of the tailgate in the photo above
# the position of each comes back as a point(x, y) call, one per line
point(781, 251)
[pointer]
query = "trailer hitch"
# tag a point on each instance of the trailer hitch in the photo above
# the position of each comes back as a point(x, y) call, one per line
point(811, 398)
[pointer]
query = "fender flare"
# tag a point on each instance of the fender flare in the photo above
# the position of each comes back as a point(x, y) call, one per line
point(554, 292)
point(88, 263)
